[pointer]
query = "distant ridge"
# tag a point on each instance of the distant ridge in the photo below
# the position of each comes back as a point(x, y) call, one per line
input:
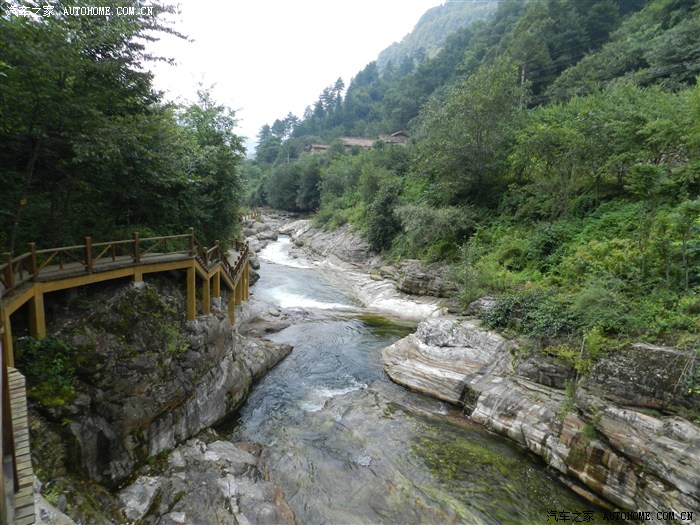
point(429, 34)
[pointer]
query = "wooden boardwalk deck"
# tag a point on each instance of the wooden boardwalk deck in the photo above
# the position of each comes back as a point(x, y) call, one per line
point(26, 278)
point(24, 498)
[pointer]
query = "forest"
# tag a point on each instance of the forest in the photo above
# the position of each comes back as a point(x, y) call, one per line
point(553, 163)
point(89, 148)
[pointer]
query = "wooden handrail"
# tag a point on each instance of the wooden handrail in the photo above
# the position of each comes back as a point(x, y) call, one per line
point(15, 271)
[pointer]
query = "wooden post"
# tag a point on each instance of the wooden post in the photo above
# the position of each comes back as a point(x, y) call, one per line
point(137, 248)
point(191, 242)
point(37, 318)
point(32, 261)
point(191, 294)
point(9, 274)
point(239, 291)
point(9, 480)
point(206, 296)
point(7, 340)
point(88, 254)
point(216, 292)
point(231, 307)
point(246, 284)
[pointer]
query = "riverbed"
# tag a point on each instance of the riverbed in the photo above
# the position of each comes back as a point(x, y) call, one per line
point(346, 445)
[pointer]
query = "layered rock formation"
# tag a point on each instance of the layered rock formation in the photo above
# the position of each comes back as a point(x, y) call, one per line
point(598, 436)
point(145, 382)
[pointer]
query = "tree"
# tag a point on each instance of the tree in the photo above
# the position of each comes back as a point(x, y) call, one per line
point(87, 147)
point(466, 137)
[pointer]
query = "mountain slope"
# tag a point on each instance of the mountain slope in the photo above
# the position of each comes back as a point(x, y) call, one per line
point(429, 34)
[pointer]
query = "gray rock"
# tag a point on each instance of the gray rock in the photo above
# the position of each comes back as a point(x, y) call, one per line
point(219, 482)
point(137, 498)
point(644, 375)
point(415, 278)
point(446, 357)
point(343, 244)
point(613, 454)
point(481, 305)
point(145, 396)
point(545, 370)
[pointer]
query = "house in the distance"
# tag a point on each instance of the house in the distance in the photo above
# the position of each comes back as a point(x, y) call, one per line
point(349, 142)
point(400, 138)
point(317, 148)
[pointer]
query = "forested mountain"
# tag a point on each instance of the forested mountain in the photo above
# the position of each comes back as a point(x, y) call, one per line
point(429, 34)
point(88, 149)
point(553, 162)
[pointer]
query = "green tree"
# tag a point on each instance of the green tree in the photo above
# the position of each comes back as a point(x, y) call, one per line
point(466, 138)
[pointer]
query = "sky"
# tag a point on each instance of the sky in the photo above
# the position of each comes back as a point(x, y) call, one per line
point(265, 58)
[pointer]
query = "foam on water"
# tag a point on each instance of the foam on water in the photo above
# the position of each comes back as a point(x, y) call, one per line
point(318, 397)
point(278, 253)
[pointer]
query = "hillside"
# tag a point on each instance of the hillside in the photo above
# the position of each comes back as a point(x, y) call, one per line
point(431, 31)
point(581, 213)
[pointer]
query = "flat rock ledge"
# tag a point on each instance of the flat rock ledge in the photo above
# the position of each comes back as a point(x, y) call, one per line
point(615, 454)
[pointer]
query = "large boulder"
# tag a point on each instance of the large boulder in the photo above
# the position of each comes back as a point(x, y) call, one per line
point(645, 376)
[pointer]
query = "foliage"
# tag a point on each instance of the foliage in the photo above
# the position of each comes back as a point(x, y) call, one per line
point(435, 232)
point(466, 136)
point(536, 313)
point(382, 223)
point(49, 365)
point(88, 149)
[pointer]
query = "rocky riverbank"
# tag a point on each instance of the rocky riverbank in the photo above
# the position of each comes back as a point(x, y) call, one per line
point(614, 437)
point(623, 437)
point(144, 385)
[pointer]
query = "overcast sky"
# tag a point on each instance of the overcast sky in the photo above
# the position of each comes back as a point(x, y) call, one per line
point(269, 57)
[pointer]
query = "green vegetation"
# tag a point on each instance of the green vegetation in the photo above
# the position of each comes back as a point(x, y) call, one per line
point(89, 149)
point(49, 366)
point(553, 163)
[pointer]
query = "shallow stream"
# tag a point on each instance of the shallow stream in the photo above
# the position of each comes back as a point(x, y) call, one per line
point(346, 445)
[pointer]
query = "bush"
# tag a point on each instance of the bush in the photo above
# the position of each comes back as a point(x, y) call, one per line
point(49, 367)
point(427, 227)
point(537, 313)
point(382, 225)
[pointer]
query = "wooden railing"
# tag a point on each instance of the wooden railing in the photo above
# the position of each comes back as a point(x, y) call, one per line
point(9, 482)
point(253, 214)
point(33, 264)
point(85, 264)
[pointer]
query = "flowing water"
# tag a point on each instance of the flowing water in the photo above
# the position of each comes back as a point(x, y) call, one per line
point(347, 445)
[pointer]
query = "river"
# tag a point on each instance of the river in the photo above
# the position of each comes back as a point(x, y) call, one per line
point(346, 445)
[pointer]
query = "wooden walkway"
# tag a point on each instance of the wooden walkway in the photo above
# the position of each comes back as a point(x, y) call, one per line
point(24, 497)
point(26, 278)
